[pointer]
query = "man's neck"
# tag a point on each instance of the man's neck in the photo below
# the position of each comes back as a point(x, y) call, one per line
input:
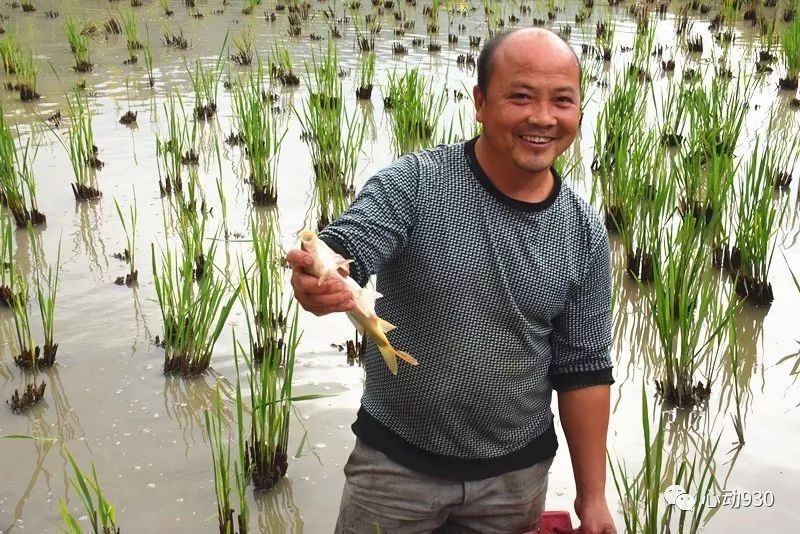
point(525, 187)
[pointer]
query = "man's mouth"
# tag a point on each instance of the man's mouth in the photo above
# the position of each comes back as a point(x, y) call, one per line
point(538, 140)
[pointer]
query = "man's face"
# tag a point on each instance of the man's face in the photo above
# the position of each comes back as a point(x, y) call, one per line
point(531, 110)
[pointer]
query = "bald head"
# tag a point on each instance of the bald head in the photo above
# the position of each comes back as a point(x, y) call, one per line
point(543, 40)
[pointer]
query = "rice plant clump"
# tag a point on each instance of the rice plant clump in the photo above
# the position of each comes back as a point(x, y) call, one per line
point(192, 317)
point(366, 76)
point(129, 26)
point(415, 111)
point(81, 148)
point(129, 227)
point(26, 77)
point(79, 46)
point(17, 185)
point(261, 135)
point(790, 39)
point(10, 53)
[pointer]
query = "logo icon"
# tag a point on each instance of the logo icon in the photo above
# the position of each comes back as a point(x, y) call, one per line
point(676, 495)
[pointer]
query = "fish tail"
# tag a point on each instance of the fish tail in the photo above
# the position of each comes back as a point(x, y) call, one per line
point(390, 357)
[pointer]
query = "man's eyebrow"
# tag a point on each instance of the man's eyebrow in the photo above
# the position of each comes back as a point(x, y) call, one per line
point(561, 89)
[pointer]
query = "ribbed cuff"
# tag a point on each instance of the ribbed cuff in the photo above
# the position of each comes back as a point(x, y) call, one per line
point(582, 379)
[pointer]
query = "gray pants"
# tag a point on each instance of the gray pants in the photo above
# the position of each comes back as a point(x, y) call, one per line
point(381, 495)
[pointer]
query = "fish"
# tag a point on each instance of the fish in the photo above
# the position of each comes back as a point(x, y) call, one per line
point(325, 267)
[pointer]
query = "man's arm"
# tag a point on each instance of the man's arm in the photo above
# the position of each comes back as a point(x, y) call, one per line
point(584, 416)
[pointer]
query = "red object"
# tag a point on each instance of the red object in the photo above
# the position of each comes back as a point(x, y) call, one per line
point(554, 522)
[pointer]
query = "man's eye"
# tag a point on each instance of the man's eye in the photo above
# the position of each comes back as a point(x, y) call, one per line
point(520, 96)
point(565, 100)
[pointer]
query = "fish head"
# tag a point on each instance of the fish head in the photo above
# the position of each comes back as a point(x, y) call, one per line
point(308, 241)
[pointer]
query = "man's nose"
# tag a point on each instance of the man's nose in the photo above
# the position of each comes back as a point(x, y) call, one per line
point(541, 114)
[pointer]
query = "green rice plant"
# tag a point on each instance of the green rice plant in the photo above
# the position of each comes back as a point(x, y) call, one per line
point(281, 67)
point(733, 354)
point(129, 27)
point(646, 200)
point(686, 311)
point(164, 4)
point(81, 148)
point(148, 58)
point(129, 228)
point(245, 49)
point(221, 458)
point(716, 115)
point(6, 257)
point(46, 296)
point(10, 53)
point(642, 497)
point(192, 319)
point(366, 76)
point(790, 41)
point(205, 81)
point(177, 148)
point(17, 185)
point(79, 46)
point(759, 219)
point(28, 357)
point(620, 120)
point(262, 292)
point(250, 6)
point(334, 137)
point(261, 134)
point(271, 402)
point(605, 30)
point(671, 106)
point(415, 110)
point(100, 512)
point(26, 77)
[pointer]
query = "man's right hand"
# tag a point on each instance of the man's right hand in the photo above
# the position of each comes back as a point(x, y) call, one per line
point(331, 296)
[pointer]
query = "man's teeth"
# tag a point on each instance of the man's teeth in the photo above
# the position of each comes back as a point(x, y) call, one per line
point(537, 139)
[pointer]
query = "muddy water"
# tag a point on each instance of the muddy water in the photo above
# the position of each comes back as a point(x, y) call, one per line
point(107, 400)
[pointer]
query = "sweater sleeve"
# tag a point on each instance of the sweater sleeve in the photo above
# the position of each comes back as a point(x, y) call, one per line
point(378, 223)
point(581, 339)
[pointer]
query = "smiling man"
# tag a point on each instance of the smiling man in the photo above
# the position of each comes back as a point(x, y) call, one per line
point(497, 276)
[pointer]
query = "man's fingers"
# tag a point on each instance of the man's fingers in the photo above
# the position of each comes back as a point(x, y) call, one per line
point(305, 283)
point(324, 310)
point(328, 300)
point(299, 258)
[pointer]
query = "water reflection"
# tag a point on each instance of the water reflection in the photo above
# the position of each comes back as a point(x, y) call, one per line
point(186, 398)
point(88, 236)
point(277, 511)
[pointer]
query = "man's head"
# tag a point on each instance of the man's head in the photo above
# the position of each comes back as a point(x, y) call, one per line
point(527, 98)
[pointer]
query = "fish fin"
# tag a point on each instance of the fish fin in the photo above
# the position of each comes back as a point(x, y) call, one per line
point(390, 357)
point(385, 325)
point(343, 262)
point(406, 357)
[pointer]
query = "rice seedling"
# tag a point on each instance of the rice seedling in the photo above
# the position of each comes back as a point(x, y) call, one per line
point(790, 41)
point(205, 81)
point(758, 221)
point(192, 319)
point(26, 77)
point(366, 76)
point(148, 58)
point(130, 239)
point(250, 6)
point(280, 66)
point(100, 512)
point(79, 45)
point(27, 6)
point(81, 148)
point(685, 311)
point(325, 123)
point(164, 5)
point(179, 146)
point(245, 49)
point(179, 42)
point(17, 185)
point(221, 458)
point(604, 31)
point(6, 257)
point(46, 297)
point(129, 26)
point(261, 134)
point(641, 498)
point(262, 292)
point(646, 199)
point(271, 401)
point(28, 356)
point(9, 53)
point(415, 111)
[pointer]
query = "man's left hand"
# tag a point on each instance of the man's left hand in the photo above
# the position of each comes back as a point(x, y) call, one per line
point(595, 516)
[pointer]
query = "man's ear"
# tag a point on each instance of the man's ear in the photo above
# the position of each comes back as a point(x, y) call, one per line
point(479, 100)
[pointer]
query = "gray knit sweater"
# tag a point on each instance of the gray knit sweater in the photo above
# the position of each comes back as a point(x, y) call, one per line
point(501, 301)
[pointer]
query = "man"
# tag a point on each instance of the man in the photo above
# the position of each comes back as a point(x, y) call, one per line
point(497, 276)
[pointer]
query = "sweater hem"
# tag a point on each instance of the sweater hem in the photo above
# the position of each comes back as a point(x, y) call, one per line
point(379, 437)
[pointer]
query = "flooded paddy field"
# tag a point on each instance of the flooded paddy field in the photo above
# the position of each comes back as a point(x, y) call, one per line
point(688, 143)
